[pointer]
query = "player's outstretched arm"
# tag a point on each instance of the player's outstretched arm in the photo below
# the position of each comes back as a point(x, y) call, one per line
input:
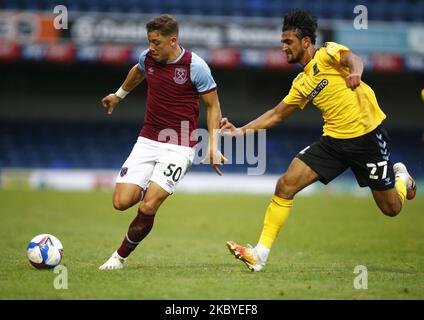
point(213, 111)
point(266, 121)
point(356, 67)
point(134, 78)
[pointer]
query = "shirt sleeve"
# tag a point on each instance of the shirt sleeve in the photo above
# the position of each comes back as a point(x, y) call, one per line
point(201, 75)
point(295, 96)
point(334, 50)
point(141, 60)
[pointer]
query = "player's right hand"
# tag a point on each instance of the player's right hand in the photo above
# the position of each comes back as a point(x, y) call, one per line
point(228, 129)
point(353, 81)
point(110, 102)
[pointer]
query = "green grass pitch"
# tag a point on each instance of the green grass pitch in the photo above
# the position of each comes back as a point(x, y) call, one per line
point(185, 257)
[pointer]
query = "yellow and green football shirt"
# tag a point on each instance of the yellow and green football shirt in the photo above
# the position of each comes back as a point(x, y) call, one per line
point(347, 114)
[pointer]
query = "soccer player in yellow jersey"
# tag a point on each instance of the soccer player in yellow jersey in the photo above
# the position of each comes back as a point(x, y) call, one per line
point(353, 136)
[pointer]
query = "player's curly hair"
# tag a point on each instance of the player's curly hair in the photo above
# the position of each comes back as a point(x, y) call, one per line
point(302, 22)
point(165, 24)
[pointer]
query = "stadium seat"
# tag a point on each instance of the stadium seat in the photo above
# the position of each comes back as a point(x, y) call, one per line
point(415, 11)
point(11, 4)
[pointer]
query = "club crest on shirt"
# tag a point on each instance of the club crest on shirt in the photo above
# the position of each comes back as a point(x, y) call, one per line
point(180, 76)
point(123, 172)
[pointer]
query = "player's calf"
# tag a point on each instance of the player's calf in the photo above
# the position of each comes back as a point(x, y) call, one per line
point(391, 201)
point(388, 201)
point(391, 210)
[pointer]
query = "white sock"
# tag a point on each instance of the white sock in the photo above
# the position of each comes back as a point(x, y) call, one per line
point(262, 251)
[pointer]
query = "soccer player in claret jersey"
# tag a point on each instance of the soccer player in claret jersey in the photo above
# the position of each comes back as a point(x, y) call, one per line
point(353, 135)
point(175, 79)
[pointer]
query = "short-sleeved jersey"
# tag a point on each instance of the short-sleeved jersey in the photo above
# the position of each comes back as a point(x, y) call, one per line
point(347, 114)
point(173, 91)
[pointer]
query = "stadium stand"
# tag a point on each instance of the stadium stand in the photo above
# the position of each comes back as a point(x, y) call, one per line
point(89, 145)
point(383, 10)
point(93, 146)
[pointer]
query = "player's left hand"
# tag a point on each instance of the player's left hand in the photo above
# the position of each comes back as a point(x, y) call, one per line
point(353, 81)
point(216, 159)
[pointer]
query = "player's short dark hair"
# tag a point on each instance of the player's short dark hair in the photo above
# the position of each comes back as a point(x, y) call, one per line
point(165, 24)
point(302, 22)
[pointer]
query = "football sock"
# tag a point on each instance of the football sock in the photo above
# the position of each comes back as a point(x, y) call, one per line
point(138, 230)
point(262, 251)
point(275, 216)
point(401, 188)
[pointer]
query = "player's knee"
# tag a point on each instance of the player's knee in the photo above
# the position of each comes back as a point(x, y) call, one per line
point(285, 189)
point(149, 207)
point(120, 203)
point(120, 206)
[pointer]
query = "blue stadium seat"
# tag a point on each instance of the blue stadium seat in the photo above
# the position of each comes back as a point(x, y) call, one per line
point(11, 4)
point(377, 10)
point(415, 11)
point(232, 8)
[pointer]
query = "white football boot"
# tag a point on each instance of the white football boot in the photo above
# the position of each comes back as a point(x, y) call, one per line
point(411, 187)
point(115, 262)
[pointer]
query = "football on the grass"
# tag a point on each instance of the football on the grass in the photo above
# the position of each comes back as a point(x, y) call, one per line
point(45, 251)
